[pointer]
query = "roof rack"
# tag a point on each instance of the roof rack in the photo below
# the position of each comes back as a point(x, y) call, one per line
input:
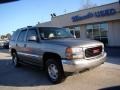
point(29, 26)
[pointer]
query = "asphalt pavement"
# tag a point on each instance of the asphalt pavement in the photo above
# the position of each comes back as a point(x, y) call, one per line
point(26, 77)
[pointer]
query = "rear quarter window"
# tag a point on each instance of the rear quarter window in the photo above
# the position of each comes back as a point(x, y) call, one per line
point(22, 35)
point(15, 35)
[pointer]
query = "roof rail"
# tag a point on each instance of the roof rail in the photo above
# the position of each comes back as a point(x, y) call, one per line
point(29, 26)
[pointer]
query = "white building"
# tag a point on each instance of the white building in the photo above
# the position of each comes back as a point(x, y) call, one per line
point(100, 23)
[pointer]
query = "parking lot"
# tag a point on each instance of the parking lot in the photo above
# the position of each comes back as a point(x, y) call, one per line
point(106, 76)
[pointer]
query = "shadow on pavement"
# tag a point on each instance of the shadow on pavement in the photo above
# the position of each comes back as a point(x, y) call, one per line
point(113, 60)
point(111, 88)
point(113, 55)
point(2, 50)
point(21, 76)
point(113, 51)
point(27, 75)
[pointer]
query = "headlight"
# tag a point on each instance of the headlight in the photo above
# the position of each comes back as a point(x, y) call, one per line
point(74, 53)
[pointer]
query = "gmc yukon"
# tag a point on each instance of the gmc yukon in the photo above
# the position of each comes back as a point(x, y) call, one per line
point(55, 50)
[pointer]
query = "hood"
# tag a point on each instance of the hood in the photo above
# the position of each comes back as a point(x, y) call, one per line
point(71, 42)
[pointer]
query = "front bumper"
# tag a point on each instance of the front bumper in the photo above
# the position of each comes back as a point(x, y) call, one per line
point(82, 64)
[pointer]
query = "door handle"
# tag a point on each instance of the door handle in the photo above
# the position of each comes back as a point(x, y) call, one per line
point(16, 45)
point(25, 45)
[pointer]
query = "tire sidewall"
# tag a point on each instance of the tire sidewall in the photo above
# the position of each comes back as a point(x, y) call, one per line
point(14, 55)
point(60, 77)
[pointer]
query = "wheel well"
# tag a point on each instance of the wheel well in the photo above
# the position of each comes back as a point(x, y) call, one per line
point(12, 51)
point(49, 55)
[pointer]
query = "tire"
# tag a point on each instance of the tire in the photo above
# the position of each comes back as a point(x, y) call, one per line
point(15, 60)
point(54, 71)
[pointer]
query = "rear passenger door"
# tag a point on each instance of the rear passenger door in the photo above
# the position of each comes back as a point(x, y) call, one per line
point(21, 44)
point(33, 47)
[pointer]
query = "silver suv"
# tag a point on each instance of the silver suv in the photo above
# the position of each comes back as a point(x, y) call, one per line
point(55, 50)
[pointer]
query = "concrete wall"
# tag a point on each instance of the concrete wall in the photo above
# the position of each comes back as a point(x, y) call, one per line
point(114, 33)
point(113, 22)
point(46, 24)
point(65, 20)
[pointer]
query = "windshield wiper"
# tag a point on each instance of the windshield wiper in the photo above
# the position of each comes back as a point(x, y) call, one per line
point(58, 37)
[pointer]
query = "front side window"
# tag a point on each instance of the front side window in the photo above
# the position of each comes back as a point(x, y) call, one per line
point(31, 32)
point(22, 35)
point(54, 33)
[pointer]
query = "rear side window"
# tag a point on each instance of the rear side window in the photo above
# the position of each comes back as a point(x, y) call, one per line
point(22, 35)
point(15, 35)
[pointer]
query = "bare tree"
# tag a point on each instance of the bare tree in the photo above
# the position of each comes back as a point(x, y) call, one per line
point(88, 4)
point(3, 36)
point(8, 35)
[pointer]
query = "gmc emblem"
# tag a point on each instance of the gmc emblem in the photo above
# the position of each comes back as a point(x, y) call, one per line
point(96, 51)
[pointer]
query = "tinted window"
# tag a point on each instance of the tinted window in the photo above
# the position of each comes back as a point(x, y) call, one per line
point(31, 32)
point(14, 36)
point(22, 35)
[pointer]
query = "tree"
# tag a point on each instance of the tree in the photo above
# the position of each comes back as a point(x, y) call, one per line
point(2, 36)
point(8, 35)
point(88, 4)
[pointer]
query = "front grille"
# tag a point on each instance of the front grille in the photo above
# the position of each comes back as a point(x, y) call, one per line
point(94, 51)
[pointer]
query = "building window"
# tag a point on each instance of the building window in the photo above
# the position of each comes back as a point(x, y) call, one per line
point(90, 31)
point(104, 31)
point(98, 32)
point(75, 31)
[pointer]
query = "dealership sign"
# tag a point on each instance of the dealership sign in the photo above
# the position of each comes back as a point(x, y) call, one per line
point(97, 14)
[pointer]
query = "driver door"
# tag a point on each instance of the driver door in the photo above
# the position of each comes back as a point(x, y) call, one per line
point(32, 47)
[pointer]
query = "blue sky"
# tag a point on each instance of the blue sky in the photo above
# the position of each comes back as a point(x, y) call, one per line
point(29, 12)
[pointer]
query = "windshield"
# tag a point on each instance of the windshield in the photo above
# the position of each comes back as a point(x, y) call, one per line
point(54, 33)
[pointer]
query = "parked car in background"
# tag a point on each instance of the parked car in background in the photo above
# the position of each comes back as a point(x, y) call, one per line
point(55, 50)
point(2, 43)
point(6, 44)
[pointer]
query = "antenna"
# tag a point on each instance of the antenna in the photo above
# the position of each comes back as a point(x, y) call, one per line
point(65, 11)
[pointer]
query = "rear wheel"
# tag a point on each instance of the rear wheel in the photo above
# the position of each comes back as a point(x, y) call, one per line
point(54, 71)
point(15, 59)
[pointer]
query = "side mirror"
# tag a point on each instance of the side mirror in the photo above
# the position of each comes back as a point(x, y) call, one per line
point(32, 38)
point(74, 36)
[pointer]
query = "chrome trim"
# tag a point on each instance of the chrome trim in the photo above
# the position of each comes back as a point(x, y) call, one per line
point(31, 55)
point(82, 64)
point(96, 55)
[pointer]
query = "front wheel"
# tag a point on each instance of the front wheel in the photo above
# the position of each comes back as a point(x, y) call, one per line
point(54, 71)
